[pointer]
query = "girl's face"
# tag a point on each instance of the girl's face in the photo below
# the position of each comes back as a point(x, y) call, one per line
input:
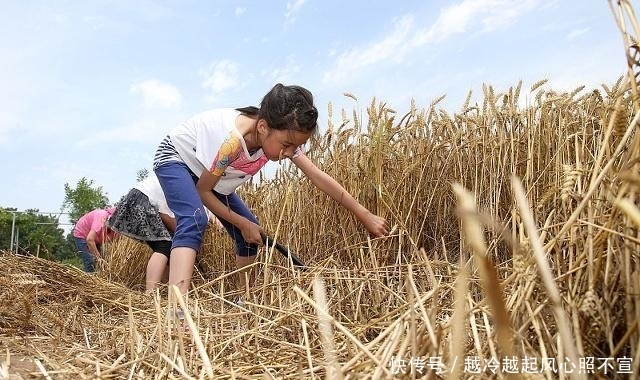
point(280, 144)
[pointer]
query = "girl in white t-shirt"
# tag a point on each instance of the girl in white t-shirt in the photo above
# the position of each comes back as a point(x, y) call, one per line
point(203, 160)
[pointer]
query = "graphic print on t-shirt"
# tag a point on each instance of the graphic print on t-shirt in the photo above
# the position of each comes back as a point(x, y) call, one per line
point(233, 160)
point(248, 166)
point(229, 151)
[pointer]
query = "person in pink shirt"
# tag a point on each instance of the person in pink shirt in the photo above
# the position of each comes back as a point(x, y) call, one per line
point(90, 232)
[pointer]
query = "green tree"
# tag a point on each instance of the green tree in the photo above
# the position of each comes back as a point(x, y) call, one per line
point(85, 197)
point(33, 233)
point(142, 174)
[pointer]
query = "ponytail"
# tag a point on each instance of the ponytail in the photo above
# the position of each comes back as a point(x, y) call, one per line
point(250, 110)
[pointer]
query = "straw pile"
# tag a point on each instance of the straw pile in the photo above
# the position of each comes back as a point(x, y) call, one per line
point(515, 237)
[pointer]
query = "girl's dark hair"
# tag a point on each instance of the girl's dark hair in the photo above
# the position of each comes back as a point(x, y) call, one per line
point(287, 107)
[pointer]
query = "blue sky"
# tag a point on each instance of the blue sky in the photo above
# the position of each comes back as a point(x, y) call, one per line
point(89, 88)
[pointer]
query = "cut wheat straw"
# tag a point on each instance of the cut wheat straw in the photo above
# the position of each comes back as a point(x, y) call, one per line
point(550, 249)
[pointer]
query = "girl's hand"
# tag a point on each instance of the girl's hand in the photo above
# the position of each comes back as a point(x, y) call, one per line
point(251, 233)
point(376, 225)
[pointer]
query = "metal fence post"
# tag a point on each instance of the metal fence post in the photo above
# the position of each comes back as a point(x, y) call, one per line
point(13, 227)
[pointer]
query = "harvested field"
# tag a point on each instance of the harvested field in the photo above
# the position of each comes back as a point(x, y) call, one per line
point(514, 249)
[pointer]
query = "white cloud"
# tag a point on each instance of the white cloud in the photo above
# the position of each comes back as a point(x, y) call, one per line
point(283, 73)
point(240, 11)
point(402, 40)
point(497, 13)
point(5, 131)
point(577, 33)
point(349, 62)
point(148, 9)
point(157, 94)
point(60, 18)
point(95, 22)
point(458, 18)
point(140, 131)
point(293, 7)
point(220, 76)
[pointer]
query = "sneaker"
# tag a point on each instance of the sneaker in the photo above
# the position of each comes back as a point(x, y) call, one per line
point(177, 313)
point(177, 321)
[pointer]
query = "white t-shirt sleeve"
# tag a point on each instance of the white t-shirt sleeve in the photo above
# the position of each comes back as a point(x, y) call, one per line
point(163, 207)
point(150, 186)
point(212, 133)
point(199, 139)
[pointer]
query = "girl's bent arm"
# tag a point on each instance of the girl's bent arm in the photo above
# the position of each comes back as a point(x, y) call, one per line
point(376, 225)
point(169, 222)
point(250, 231)
point(91, 243)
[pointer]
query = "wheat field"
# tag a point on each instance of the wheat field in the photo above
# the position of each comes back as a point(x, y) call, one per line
point(513, 254)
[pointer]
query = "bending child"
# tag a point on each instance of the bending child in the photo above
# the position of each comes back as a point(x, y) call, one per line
point(203, 160)
point(143, 215)
point(90, 232)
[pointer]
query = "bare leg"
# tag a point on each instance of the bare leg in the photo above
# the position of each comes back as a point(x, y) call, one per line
point(246, 277)
point(181, 267)
point(155, 270)
point(165, 274)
